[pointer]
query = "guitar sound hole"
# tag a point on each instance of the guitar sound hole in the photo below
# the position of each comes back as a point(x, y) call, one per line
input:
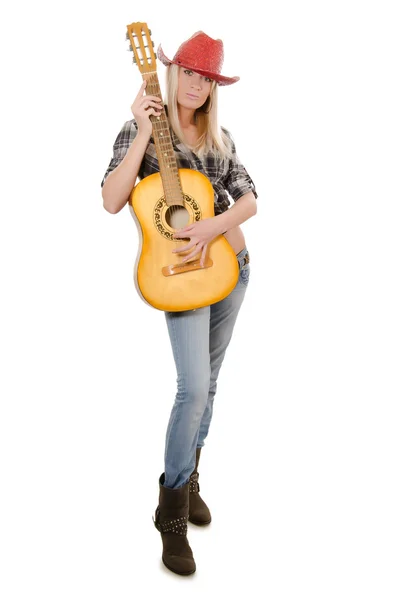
point(177, 217)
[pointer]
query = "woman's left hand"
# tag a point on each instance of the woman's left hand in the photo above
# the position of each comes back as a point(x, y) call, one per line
point(201, 233)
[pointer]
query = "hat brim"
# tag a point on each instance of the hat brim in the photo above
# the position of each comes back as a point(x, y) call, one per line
point(220, 79)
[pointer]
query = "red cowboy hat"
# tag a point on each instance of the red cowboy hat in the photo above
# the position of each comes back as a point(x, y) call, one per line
point(201, 54)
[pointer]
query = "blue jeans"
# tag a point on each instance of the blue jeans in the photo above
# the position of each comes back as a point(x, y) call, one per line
point(199, 339)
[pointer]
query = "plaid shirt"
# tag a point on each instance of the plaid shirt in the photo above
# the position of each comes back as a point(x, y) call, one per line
point(227, 176)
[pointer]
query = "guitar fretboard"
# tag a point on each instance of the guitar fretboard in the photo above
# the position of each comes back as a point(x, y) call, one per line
point(164, 148)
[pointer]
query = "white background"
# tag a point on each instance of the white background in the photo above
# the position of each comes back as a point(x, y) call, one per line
point(299, 468)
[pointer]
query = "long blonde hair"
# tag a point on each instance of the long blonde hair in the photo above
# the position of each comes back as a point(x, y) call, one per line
point(210, 136)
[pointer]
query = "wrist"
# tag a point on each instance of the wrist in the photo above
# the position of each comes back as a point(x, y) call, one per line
point(143, 136)
point(221, 224)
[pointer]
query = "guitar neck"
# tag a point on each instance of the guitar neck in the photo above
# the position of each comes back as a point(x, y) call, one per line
point(164, 148)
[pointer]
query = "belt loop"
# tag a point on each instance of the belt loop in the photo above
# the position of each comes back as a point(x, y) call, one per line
point(243, 260)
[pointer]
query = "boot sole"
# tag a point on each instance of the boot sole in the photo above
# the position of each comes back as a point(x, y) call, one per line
point(178, 572)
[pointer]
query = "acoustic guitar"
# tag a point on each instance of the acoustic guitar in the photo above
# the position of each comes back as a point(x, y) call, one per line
point(169, 200)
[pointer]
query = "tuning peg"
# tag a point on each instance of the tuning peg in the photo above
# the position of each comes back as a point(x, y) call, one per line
point(127, 37)
point(150, 31)
point(155, 55)
point(134, 60)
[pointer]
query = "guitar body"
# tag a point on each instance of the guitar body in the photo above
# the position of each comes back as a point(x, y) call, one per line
point(160, 277)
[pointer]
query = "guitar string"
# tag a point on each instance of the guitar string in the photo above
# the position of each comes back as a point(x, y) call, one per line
point(171, 177)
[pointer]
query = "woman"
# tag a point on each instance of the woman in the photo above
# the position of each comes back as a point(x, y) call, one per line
point(199, 337)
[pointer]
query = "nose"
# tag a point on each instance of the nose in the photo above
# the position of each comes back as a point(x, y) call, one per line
point(196, 82)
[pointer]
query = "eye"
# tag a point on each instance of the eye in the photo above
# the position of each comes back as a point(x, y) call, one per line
point(208, 79)
point(188, 71)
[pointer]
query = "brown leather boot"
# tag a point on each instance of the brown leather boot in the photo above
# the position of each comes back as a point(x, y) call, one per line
point(199, 513)
point(171, 520)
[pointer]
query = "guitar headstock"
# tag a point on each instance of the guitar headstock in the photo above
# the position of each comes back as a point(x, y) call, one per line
point(141, 44)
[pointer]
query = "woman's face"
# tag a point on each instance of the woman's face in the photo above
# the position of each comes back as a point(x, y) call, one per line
point(193, 89)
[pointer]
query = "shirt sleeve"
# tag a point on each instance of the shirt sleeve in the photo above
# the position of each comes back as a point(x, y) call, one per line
point(237, 180)
point(123, 141)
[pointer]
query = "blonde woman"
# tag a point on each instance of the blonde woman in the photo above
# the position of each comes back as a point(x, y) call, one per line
point(199, 338)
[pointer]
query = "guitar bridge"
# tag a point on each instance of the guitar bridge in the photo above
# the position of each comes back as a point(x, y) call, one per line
point(190, 265)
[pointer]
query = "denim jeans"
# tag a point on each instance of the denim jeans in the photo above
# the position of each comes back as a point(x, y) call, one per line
point(199, 339)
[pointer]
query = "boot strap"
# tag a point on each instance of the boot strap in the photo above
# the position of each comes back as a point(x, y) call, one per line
point(194, 485)
point(177, 525)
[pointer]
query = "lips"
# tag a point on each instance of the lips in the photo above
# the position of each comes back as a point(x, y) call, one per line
point(192, 96)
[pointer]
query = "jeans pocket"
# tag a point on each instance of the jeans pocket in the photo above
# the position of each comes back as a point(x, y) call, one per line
point(244, 274)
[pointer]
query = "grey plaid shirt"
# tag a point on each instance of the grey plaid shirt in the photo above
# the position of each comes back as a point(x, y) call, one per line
point(227, 176)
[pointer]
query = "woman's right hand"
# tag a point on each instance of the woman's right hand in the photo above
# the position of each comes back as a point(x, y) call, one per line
point(144, 106)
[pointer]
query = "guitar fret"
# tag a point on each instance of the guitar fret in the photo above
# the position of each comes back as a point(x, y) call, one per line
point(166, 147)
